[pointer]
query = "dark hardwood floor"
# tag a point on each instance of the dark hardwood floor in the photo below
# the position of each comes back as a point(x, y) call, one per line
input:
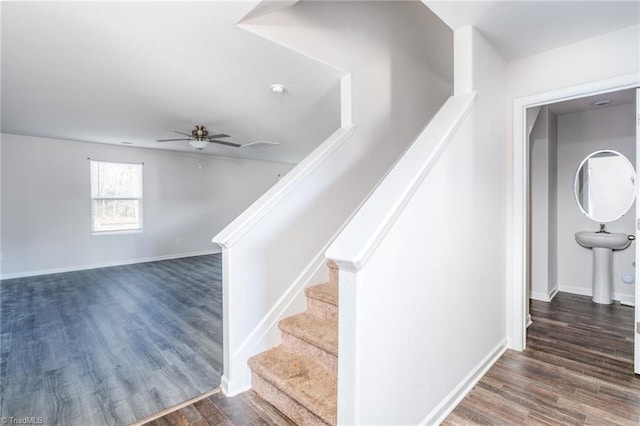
point(110, 346)
point(245, 409)
point(577, 370)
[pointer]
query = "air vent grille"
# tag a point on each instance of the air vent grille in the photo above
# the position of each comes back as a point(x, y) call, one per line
point(260, 145)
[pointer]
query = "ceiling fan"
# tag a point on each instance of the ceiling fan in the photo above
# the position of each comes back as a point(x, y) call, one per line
point(200, 138)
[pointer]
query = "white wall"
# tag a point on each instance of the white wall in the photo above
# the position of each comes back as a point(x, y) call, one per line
point(579, 135)
point(423, 317)
point(544, 159)
point(599, 58)
point(400, 59)
point(46, 210)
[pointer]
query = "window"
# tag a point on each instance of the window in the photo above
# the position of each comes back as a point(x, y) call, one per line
point(116, 196)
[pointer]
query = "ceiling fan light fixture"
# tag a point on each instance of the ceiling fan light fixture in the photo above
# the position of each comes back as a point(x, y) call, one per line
point(199, 144)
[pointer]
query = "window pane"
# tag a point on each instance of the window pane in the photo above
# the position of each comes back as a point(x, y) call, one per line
point(116, 179)
point(116, 215)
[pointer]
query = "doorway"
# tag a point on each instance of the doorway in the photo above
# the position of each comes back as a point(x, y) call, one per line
point(519, 300)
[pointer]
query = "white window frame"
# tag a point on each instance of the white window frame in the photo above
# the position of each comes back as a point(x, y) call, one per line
point(137, 230)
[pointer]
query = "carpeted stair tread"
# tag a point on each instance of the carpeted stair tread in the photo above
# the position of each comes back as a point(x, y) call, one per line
point(327, 292)
point(316, 331)
point(306, 382)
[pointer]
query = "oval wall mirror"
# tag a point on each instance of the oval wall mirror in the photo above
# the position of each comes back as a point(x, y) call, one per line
point(604, 186)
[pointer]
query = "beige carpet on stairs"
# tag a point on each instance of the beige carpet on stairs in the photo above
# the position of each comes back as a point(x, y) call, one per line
point(299, 377)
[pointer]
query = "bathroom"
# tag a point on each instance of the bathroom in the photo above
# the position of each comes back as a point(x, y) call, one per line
point(563, 135)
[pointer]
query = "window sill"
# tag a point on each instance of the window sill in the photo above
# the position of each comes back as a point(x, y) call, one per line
point(127, 232)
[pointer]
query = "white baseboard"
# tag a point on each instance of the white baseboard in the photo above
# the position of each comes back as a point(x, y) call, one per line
point(539, 296)
point(624, 299)
point(232, 388)
point(544, 297)
point(582, 291)
point(529, 320)
point(451, 401)
point(105, 264)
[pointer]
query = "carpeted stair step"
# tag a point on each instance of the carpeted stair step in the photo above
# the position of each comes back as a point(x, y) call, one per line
point(312, 336)
point(322, 300)
point(302, 389)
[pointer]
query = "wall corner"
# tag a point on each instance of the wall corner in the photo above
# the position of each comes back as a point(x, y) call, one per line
point(463, 60)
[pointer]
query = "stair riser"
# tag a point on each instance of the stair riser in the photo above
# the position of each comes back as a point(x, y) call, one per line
point(289, 407)
point(319, 355)
point(322, 309)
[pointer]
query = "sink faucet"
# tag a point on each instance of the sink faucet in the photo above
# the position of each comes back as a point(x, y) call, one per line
point(602, 230)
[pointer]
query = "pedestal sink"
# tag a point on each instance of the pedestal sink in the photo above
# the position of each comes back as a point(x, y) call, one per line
point(603, 244)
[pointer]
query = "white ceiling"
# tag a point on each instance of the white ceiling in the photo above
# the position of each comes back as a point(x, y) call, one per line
point(116, 71)
point(621, 97)
point(519, 28)
point(129, 71)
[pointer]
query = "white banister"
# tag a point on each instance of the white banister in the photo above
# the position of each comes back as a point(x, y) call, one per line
point(243, 223)
point(363, 234)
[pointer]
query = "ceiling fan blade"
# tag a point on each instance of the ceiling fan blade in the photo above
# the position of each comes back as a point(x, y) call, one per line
point(219, 135)
point(180, 133)
point(235, 145)
point(171, 140)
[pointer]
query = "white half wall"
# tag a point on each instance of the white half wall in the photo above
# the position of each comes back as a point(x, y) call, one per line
point(399, 56)
point(579, 135)
point(46, 208)
point(422, 278)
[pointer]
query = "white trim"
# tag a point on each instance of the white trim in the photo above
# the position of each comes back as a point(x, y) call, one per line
point(345, 101)
point(105, 264)
point(636, 335)
point(363, 234)
point(529, 320)
point(446, 406)
point(232, 388)
point(118, 232)
point(517, 310)
point(246, 349)
point(463, 57)
point(624, 299)
point(259, 209)
point(581, 291)
point(544, 297)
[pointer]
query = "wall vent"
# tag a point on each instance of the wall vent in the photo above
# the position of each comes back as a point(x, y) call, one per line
point(260, 144)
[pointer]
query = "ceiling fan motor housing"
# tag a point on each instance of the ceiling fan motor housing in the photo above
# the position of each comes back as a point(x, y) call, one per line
point(200, 132)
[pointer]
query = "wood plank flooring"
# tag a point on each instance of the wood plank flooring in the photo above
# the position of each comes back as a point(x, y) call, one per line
point(577, 370)
point(112, 345)
point(245, 409)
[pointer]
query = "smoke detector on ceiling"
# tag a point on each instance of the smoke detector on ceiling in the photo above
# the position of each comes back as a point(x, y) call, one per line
point(278, 89)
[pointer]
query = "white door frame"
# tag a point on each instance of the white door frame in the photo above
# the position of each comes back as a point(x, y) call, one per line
point(517, 297)
point(636, 325)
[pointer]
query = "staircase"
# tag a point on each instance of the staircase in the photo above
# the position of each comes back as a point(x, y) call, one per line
point(300, 376)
